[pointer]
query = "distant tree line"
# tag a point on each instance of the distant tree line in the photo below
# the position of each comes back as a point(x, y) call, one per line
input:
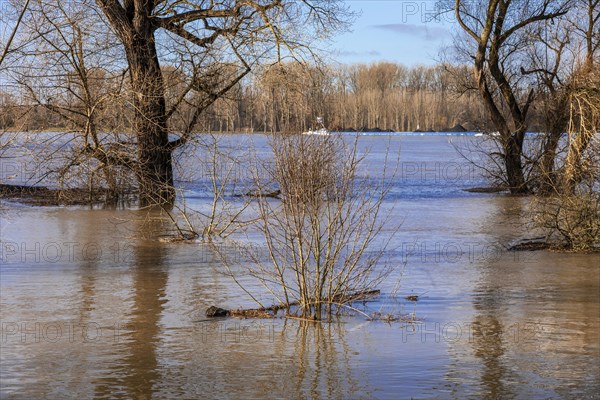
point(286, 97)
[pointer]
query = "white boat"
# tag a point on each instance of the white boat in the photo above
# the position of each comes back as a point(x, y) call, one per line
point(322, 131)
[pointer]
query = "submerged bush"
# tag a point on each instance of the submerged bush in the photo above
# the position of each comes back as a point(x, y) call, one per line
point(321, 236)
point(573, 220)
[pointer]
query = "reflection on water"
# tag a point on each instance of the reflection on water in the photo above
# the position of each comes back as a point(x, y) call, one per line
point(488, 334)
point(534, 330)
point(323, 358)
point(93, 306)
point(141, 333)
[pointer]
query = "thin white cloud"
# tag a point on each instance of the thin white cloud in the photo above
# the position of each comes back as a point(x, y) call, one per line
point(348, 53)
point(428, 33)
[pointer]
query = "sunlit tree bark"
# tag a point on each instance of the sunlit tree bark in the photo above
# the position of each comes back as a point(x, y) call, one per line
point(499, 31)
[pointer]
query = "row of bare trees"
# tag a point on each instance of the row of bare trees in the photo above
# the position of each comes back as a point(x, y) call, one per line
point(385, 96)
point(288, 97)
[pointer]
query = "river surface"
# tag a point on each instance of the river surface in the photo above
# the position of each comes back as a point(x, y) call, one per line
point(94, 306)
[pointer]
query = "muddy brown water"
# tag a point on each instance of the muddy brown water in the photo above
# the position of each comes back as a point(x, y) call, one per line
point(93, 306)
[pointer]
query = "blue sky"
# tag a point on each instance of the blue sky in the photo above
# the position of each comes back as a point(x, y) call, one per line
point(394, 30)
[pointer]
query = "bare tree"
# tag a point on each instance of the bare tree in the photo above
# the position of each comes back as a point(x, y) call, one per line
point(498, 30)
point(7, 118)
point(585, 23)
point(5, 47)
point(570, 215)
point(68, 80)
point(245, 27)
point(548, 61)
point(212, 44)
point(584, 96)
point(562, 59)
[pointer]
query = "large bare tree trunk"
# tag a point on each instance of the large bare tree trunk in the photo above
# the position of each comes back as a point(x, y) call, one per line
point(513, 152)
point(548, 182)
point(134, 26)
point(512, 142)
point(155, 171)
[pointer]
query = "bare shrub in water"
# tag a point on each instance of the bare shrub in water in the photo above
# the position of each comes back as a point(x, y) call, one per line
point(323, 238)
point(573, 220)
point(217, 166)
point(573, 213)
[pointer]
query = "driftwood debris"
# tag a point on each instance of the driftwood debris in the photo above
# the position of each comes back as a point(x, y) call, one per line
point(531, 244)
point(538, 244)
point(274, 194)
point(44, 196)
point(271, 312)
point(491, 189)
point(213, 311)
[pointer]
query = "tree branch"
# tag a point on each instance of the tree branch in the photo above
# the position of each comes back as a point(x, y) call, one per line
point(14, 32)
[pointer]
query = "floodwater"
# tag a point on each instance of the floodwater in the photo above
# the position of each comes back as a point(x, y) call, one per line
point(94, 306)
